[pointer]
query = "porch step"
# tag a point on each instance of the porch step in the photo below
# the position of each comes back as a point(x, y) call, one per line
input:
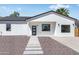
point(32, 52)
point(37, 48)
point(33, 46)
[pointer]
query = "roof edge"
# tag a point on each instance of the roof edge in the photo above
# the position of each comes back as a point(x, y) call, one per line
point(51, 11)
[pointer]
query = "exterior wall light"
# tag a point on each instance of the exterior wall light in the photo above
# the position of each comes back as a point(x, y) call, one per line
point(73, 24)
point(58, 24)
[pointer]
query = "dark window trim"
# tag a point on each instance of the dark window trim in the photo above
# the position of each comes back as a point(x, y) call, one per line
point(67, 31)
point(8, 27)
point(46, 30)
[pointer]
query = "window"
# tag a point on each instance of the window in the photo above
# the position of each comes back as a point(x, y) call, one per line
point(8, 27)
point(65, 28)
point(45, 27)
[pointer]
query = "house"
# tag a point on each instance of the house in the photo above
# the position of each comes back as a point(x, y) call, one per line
point(45, 24)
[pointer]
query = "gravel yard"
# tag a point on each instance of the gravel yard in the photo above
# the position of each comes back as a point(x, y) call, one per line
point(13, 45)
point(52, 47)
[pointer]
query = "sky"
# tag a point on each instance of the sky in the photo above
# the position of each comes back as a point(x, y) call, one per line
point(35, 9)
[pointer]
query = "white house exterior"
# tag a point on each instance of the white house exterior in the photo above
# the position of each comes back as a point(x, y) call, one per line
point(45, 24)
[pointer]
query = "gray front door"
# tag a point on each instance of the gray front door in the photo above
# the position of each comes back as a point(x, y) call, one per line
point(34, 30)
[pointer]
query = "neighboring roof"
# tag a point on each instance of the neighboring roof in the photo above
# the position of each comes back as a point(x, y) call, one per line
point(11, 18)
point(77, 23)
point(50, 12)
point(0, 17)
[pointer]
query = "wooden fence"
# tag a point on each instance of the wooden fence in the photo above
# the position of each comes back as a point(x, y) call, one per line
point(77, 32)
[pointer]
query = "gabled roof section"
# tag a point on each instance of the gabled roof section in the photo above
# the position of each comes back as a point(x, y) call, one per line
point(50, 12)
point(11, 18)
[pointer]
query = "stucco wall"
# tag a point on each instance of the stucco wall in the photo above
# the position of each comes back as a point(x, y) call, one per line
point(39, 28)
point(60, 34)
point(16, 29)
point(59, 20)
point(25, 29)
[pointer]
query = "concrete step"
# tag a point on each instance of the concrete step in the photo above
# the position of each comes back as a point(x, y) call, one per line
point(33, 48)
point(30, 42)
point(33, 45)
point(33, 52)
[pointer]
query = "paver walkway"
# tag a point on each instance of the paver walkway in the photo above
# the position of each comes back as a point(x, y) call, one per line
point(71, 42)
point(33, 46)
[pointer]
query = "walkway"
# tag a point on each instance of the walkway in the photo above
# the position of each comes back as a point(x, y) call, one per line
point(33, 46)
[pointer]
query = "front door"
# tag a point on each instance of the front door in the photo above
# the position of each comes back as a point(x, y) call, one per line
point(33, 30)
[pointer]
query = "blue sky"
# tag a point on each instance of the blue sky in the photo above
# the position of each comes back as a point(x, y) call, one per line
point(34, 9)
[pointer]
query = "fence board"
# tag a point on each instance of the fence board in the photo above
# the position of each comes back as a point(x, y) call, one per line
point(77, 32)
